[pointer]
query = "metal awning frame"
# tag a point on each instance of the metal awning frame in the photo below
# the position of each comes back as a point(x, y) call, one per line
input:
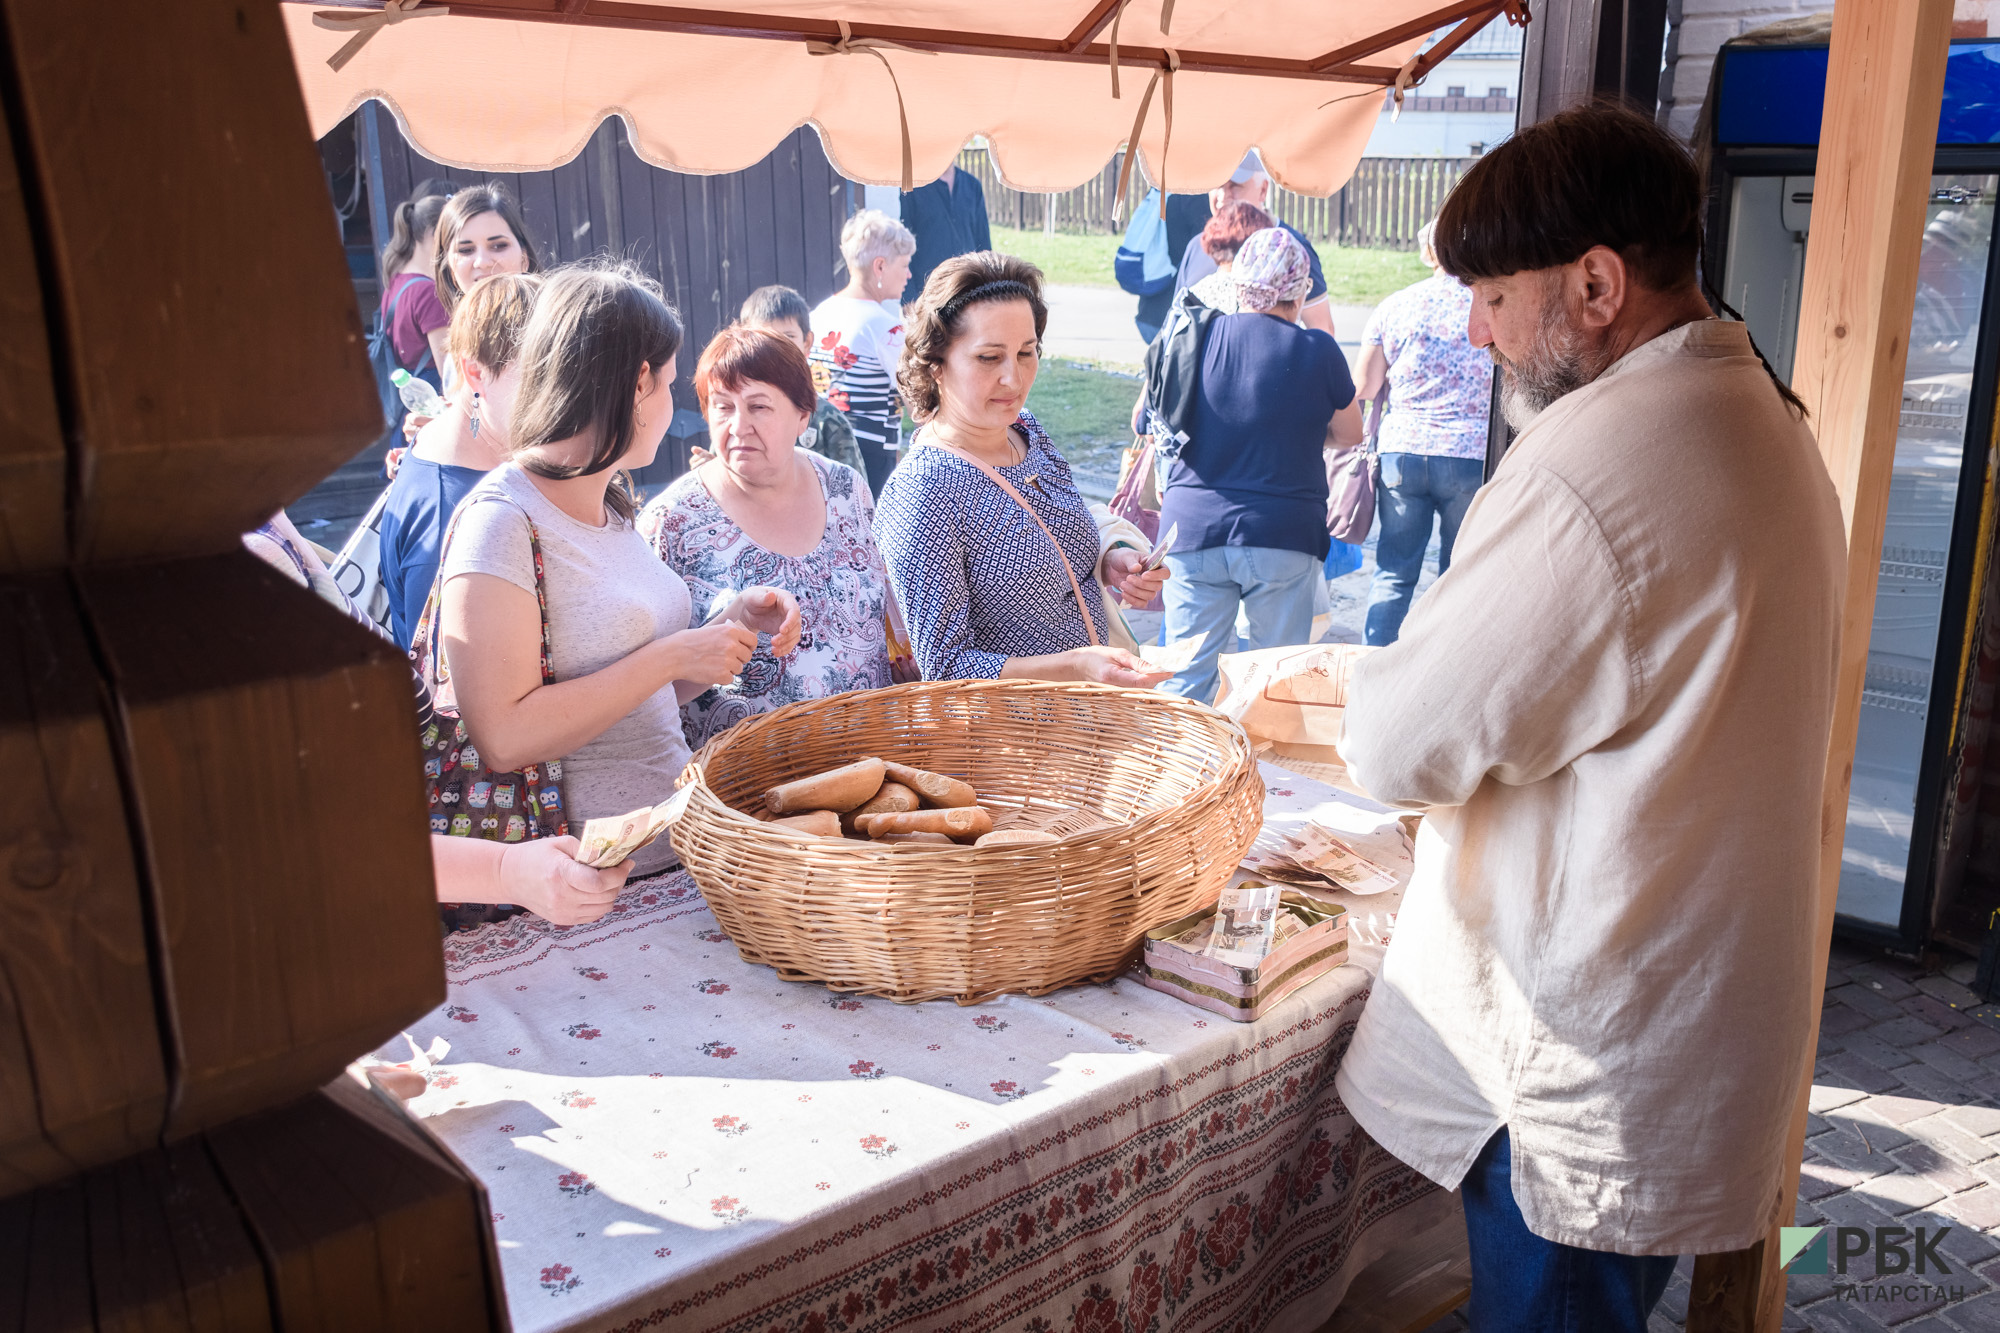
point(1079, 46)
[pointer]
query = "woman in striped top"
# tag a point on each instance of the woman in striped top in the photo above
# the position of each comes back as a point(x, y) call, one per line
point(857, 338)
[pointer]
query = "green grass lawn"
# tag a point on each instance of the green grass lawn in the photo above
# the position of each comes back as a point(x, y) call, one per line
point(1086, 411)
point(1353, 277)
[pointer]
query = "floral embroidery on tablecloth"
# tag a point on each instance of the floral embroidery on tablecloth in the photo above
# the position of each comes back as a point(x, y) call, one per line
point(728, 1209)
point(716, 1049)
point(458, 1013)
point(1007, 1090)
point(577, 1100)
point(990, 1023)
point(560, 1279)
point(592, 973)
point(1230, 1261)
point(583, 1031)
point(712, 986)
point(867, 1069)
point(575, 1184)
point(877, 1147)
point(846, 1004)
point(730, 1126)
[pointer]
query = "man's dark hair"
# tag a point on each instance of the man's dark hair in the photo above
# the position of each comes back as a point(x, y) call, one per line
point(768, 305)
point(1597, 174)
point(1594, 175)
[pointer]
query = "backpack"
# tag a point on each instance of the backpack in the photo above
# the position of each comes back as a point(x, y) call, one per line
point(382, 356)
point(1142, 265)
point(1173, 375)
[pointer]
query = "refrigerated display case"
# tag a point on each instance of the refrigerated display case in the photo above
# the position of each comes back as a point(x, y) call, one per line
point(1761, 159)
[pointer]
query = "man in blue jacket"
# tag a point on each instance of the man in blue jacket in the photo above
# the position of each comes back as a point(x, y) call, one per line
point(948, 218)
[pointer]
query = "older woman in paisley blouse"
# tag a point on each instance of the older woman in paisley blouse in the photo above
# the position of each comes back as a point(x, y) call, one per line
point(765, 510)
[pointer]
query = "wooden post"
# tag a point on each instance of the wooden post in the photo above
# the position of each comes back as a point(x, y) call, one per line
point(1877, 140)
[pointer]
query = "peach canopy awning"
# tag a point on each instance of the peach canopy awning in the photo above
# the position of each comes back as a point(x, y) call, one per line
point(519, 85)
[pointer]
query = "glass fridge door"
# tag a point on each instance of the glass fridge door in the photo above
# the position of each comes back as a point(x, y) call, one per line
point(1770, 221)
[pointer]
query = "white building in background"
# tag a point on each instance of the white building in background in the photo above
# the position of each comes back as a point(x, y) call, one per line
point(1463, 107)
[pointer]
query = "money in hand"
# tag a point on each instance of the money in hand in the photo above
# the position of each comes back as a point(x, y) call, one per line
point(608, 841)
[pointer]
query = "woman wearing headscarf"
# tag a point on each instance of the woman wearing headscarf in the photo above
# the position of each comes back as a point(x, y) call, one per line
point(1248, 491)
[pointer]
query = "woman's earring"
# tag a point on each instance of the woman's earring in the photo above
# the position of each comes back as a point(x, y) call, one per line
point(473, 412)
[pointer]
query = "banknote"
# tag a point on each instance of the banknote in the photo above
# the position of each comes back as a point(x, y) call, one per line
point(1246, 925)
point(1320, 850)
point(1316, 858)
point(1173, 656)
point(610, 840)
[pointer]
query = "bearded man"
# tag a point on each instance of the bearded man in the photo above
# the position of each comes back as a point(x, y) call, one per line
point(1615, 707)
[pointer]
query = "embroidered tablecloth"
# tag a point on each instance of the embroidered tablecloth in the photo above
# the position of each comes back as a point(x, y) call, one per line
point(672, 1138)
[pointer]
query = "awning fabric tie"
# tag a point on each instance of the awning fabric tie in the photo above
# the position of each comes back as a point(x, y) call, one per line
point(1139, 123)
point(1166, 23)
point(365, 23)
point(850, 45)
point(1404, 78)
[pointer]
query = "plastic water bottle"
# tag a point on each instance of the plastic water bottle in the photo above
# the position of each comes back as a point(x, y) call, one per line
point(418, 395)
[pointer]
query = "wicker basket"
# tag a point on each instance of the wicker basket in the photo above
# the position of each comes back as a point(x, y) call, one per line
point(1155, 799)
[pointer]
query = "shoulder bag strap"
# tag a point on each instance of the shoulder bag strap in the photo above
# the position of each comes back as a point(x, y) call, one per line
point(1089, 625)
point(388, 331)
point(423, 641)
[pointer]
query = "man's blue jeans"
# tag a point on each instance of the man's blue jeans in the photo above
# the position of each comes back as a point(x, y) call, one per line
point(1413, 489)
point(1524, 1284)
point(1274, 587)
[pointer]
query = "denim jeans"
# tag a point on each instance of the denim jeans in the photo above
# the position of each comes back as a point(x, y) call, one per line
point(1524, 1284)
point(1413, 488)
point(1274, 587)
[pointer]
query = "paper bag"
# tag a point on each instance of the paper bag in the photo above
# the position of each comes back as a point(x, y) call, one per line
point(1291, 701)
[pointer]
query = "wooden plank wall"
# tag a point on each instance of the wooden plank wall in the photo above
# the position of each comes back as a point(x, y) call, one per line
point(710, 240)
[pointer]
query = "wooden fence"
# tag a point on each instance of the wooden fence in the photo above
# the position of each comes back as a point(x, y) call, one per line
point(1382, 207)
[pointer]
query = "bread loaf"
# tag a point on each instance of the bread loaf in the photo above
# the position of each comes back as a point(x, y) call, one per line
point(819, 823)
point(919, 839)
point(839, 789)
point(893, 798)
point(934, 787)
point(963, 822)
point(1001, 837)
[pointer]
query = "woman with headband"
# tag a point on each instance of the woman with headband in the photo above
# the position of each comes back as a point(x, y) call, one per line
point(993, 553)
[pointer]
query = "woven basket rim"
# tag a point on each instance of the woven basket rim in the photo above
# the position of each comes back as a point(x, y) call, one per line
point(695, 774)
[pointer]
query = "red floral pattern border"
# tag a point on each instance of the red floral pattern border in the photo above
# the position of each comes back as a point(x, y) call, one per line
point(1221, 1215)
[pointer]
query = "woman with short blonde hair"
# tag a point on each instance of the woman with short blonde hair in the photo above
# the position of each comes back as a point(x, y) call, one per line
point(858, 336)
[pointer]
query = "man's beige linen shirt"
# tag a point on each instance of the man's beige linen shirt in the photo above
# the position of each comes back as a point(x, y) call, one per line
point(1617, 705)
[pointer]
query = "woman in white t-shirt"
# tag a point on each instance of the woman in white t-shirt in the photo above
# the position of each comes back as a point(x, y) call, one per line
point(597, 366)
point(857, 339)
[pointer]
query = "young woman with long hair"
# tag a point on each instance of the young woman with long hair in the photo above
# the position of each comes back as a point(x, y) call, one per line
point(480, 234)
point(550, 534)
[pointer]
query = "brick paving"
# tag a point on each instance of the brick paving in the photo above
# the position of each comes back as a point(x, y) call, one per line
point(1905, 1131)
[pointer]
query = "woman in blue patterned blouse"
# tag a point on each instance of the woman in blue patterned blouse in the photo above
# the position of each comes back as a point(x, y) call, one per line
point(985, 591)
